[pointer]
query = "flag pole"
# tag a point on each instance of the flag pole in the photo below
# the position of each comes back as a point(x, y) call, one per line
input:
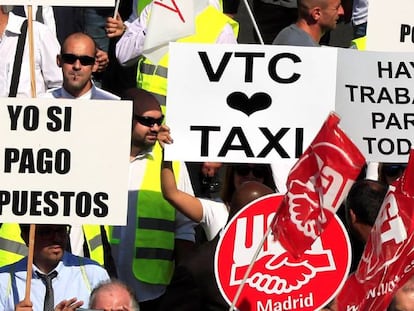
point(249, 269)
point(256, 28)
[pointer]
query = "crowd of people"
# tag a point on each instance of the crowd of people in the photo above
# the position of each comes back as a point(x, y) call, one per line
point(162, 259)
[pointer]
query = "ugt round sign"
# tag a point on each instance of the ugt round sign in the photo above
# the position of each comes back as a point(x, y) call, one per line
point(277, 280)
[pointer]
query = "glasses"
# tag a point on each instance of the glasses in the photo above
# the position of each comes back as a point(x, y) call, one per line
point(244, 170)
point(148, 121)
point(85, 60)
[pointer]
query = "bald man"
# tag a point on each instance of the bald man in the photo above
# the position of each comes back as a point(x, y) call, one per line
point(77, 60)
point(113, 295)
point(315, 18)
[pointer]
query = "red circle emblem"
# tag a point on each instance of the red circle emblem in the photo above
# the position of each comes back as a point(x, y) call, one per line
point(277, 280)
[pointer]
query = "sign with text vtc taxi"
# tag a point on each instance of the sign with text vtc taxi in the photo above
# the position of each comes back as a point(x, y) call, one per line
point(277, 280)
point(264, 104)
point(247, 103)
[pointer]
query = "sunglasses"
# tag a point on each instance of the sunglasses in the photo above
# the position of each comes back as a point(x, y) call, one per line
point(148, 121)
point(85, 60)
point(244, 170)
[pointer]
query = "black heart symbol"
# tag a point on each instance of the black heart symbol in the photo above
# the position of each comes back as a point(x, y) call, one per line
point(240, 101)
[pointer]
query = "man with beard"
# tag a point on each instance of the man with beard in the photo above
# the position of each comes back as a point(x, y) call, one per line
point(78, 61)
point(155, 235)
point(67, 275)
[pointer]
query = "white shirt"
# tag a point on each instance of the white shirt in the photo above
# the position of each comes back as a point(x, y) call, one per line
point(124, 253)
point(130, 45)
point(215, 215)
point(47, 15)
point(46, 47)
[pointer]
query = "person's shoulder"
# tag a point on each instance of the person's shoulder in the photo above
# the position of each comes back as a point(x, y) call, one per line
point(102, 94)
point(70, 260)
point(14, 23)
point(52, 93)
point(18, 266)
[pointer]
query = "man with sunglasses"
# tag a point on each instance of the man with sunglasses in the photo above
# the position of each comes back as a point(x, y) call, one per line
point(155, 235)
point(57, 274)
point(78, 62)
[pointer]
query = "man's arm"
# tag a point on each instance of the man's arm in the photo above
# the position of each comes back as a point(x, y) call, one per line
point(131, 44)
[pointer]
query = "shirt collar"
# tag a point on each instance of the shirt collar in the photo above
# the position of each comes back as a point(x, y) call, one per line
point(87, 95)
point(143, 155)
point(14, 24)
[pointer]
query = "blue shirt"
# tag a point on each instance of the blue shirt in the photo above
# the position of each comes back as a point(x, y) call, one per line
point(77, 276)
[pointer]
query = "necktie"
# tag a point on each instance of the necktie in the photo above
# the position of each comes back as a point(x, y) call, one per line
point(49, 304)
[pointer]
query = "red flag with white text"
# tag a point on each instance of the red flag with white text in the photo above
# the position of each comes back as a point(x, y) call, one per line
point(316, 186)
point(388, 258)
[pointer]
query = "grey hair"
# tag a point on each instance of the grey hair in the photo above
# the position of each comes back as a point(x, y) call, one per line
point(7, 8)
point(107, 285)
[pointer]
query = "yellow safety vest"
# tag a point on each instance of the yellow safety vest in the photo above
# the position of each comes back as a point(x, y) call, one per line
point(209, 25)
point(360, 43)
point(155, 226)
point(13, 248)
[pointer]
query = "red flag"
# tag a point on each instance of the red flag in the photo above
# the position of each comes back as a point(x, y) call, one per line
point(388, 258)
point(316, 186)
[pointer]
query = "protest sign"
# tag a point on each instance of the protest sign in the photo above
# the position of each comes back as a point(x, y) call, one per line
point(264, 104)
point(390, 27)
point(278, 281)
point(64, 161)
point(375, 100)
point(247, 103)
point(96, 3)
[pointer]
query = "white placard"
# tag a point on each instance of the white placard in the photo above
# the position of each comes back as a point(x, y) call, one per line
point(375, 99)
point(64, 161)
point(390, 26)
point(247, 103)
point(94, 3)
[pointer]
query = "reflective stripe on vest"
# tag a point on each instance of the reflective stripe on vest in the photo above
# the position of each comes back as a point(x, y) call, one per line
point(209, 25)
point(93, 238)
point(155, 232)
point(12, 246)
